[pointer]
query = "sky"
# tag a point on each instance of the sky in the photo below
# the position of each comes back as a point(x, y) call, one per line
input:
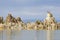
point(30, 9)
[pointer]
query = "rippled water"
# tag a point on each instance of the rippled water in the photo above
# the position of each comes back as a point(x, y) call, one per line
point(28, 35)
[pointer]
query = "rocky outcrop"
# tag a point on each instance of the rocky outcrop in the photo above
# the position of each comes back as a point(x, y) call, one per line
point(16, 23)
point(39, 25)
point(1, 19)
point(50, 21)
point(10, 18)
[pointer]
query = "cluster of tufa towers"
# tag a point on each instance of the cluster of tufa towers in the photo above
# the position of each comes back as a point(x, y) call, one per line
point(13, 23)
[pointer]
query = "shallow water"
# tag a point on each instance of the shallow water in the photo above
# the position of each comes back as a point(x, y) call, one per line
point(28, 35)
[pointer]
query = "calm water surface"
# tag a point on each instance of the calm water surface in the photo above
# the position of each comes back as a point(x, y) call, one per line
point(28, 35)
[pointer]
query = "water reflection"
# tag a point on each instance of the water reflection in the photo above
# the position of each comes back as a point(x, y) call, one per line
point(27, 35)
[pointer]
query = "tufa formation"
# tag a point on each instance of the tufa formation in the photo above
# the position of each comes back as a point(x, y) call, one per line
point(13, 23)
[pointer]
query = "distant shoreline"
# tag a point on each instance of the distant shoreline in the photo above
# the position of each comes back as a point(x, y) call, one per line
point(32, 20)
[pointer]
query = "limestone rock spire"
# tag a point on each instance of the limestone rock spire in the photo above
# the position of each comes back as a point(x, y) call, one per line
point(1, 19)
point(18, 19)
point(50, 20)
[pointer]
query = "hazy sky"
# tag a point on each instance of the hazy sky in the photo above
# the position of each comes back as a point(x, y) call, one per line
point(30, 9)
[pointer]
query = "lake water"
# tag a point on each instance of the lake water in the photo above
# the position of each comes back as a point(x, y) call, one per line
point(28, 35)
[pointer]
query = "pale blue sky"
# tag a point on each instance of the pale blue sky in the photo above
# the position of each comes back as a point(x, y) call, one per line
point(30, 9)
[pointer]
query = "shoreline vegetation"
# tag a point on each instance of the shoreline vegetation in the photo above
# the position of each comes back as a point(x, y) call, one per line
point(12, 23)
